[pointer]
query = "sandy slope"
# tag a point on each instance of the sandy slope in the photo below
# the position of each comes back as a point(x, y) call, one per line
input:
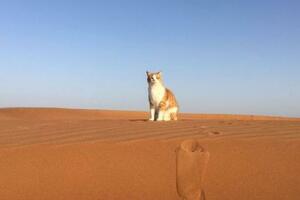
point(91, 154)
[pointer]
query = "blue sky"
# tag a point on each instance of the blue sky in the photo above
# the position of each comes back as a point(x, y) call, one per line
point(237, 57)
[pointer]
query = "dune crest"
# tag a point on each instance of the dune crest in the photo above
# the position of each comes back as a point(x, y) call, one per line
point(90, 114)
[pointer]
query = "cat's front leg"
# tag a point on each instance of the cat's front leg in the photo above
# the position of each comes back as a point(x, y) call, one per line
point(152, 114)
point(161, 111)
point(161, 115)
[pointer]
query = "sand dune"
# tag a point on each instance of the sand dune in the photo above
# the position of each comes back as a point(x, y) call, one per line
point(49, 153)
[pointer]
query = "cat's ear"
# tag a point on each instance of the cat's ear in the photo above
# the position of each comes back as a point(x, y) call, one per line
point(148, 73)
point(159, 73)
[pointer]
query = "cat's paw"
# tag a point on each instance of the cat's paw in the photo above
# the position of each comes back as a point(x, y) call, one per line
point(151, 120)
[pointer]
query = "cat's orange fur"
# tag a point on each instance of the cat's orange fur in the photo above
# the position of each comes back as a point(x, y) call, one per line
point(163, 104)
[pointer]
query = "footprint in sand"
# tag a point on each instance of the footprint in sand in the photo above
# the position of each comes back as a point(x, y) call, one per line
point(191, 163)
point(214, 133)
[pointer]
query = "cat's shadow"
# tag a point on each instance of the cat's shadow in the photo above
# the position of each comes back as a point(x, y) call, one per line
point(138, 120)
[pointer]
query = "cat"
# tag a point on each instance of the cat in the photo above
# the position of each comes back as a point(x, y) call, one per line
point(163, 104)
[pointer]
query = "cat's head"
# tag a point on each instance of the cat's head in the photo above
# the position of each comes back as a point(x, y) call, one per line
point(154, 77)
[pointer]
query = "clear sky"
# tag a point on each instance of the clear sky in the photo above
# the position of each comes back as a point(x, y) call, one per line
point(238, 57)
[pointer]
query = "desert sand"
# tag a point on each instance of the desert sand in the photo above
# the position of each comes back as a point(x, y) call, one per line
point(48, 153)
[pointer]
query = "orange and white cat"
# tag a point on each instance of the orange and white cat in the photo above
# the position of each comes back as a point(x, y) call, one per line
point(163, 104)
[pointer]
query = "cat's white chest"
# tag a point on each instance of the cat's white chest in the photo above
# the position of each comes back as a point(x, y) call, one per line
point(156, 93)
